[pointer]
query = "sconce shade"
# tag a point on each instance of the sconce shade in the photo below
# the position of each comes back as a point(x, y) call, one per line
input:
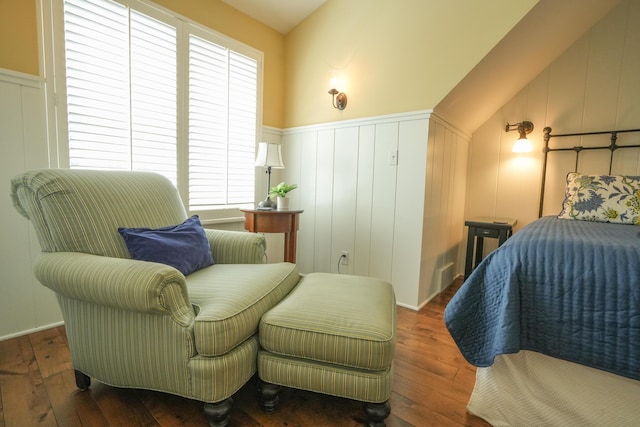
point(522, 145)
point(269, 155)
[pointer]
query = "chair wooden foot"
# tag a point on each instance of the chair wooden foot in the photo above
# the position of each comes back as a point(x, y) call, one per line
point(218, 412)
point(269, 397)
point(82, 381)
point(377, 413)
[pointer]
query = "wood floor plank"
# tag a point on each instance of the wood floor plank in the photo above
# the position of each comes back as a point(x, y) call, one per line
point(173, 411)
point(121, 406)
point(455, 390)
point(434, 360)
point(24, 397)
point(73, 407)
point(419, 414)
point(2, 423)
point(51, 351)
point(431, 386)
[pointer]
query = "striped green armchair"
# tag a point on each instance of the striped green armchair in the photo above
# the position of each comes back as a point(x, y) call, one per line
point(143, 324)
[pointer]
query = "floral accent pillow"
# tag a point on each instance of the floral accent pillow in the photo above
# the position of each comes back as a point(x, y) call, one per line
point(602, 198)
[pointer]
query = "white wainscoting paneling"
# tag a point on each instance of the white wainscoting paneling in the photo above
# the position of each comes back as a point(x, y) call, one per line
point(25, 305)
point(399, 222)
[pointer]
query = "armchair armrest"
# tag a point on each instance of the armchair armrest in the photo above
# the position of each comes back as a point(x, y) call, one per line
point(236, 247)
point(122, 283)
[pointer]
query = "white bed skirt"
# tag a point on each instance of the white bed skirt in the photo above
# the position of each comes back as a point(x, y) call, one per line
point(531, 389)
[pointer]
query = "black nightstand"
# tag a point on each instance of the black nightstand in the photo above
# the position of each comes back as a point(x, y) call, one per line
point(479, 228)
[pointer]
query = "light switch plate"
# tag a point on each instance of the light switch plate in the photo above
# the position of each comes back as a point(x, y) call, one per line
point(393, 157)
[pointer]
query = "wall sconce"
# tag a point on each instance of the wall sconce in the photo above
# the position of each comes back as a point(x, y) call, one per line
point(339, 101)
point(522, 145)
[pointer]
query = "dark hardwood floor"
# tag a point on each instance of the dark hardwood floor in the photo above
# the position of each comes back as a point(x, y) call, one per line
point(432, 383)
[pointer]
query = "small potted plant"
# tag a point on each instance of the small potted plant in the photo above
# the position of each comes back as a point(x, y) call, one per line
point(281, 191)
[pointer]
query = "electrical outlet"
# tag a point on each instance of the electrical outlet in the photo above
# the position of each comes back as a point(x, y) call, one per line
point(344, 258)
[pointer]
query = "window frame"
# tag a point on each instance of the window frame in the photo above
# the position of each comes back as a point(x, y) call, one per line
point(51, 35)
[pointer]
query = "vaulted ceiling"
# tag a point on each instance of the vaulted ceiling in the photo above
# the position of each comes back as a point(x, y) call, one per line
point(281, 15)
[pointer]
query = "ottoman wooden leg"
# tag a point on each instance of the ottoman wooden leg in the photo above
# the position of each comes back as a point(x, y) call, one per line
point(269, 397)
point(377, 413)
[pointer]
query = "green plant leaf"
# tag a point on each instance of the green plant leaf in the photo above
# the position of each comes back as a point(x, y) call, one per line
point(282, 189)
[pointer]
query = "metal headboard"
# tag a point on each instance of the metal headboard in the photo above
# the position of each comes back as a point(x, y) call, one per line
point(612, 147)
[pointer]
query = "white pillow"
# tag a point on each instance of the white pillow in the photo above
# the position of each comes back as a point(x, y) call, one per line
point(602, 198)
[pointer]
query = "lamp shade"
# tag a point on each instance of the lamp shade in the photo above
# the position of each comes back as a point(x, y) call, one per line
point(269, 155)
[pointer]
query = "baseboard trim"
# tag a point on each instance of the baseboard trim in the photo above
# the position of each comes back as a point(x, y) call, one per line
point(31, 331)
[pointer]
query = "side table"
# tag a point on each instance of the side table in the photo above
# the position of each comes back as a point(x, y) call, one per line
point(275, 221)
point(479, 228)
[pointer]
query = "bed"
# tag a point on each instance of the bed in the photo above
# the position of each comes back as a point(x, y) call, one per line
point(552, 317)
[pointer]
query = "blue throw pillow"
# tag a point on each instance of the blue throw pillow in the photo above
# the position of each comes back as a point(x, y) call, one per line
point(183, 246)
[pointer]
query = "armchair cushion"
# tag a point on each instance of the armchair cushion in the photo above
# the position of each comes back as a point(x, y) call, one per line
point(230, 299)
point(184, 246)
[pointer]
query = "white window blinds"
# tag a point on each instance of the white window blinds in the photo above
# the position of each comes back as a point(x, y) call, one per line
point(153, 96)
point(222, 133)
point(242, 90)
point(96, 48)
point(125, 108)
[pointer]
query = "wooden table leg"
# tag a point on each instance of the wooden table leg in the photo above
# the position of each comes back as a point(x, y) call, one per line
point(479, 250)
point(288, 256)
point(468, 267)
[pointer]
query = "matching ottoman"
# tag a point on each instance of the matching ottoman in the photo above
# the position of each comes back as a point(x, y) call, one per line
point(333, 334)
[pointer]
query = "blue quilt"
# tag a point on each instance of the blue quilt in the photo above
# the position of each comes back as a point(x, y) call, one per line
point(565, 288)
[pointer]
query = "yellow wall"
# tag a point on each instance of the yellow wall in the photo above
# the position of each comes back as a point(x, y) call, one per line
point(19, 48)
point(394, 55)
point(18, 36)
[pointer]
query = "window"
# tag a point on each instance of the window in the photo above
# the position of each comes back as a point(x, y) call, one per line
point(143, 89)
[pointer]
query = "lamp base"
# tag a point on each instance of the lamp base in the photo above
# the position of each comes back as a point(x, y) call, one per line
point(267, 204)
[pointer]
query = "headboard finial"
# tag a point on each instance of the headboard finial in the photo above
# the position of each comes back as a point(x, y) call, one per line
point(547, 136)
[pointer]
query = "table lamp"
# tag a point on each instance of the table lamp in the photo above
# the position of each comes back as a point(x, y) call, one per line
point(269, 156)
